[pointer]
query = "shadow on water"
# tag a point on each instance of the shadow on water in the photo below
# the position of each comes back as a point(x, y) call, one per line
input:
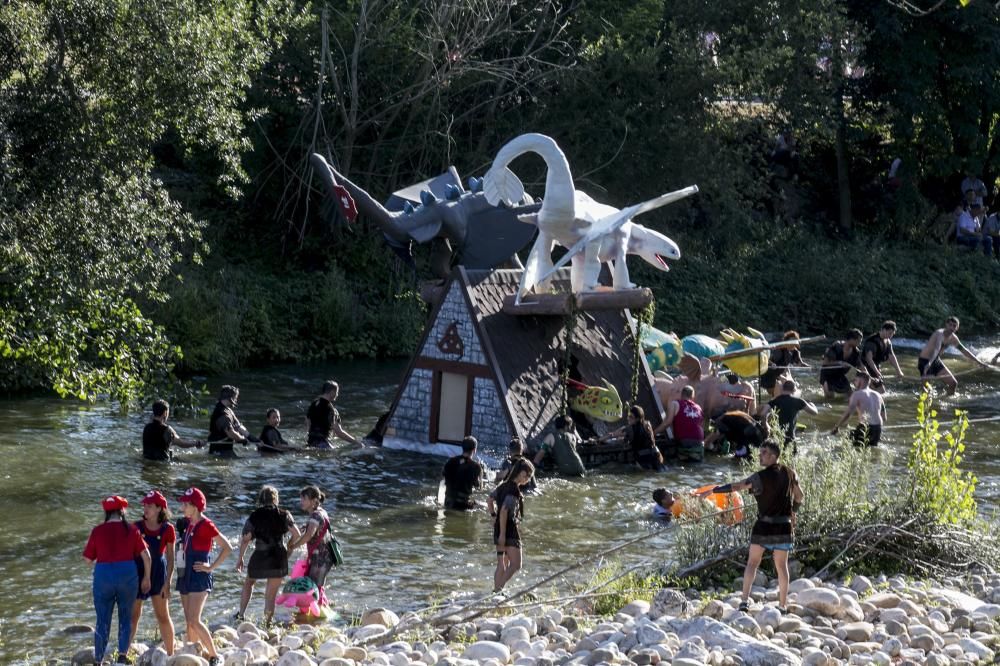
point(401, 550)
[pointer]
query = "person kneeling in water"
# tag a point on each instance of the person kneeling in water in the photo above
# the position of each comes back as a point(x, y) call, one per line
point(506, 505)
point(561, 445)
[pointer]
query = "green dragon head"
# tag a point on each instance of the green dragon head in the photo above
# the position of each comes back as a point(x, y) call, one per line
point(599, 402)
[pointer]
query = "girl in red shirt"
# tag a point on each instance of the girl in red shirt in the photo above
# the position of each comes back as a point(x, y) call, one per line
point(196, 581)
point(112, 549)
point(160, 537)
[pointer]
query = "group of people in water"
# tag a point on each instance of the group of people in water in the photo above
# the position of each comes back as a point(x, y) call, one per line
point(136, 561)
point(225, 430)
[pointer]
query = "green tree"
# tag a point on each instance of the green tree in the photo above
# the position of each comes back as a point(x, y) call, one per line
point(88, 230)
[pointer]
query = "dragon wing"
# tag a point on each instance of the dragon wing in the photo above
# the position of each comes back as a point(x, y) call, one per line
point(612, 223)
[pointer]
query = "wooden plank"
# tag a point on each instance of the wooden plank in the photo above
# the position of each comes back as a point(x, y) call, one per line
point(562, 304)
point(539, 304)
point(623, 299)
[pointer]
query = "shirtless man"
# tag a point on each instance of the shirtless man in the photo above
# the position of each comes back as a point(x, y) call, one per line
point(930, 364)
point(738, 394)
point(870, 408)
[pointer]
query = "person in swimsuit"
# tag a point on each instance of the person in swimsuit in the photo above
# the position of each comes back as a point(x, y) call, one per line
point(508, 501)
point(929, 364)
point(196, 581)
point(870, 408)
point(160, 537)
point(271, 440)
point(158, 437)
point(840, 357)
point(266, 527)
point(112, 550)
point(317, 535)
point(776, 489)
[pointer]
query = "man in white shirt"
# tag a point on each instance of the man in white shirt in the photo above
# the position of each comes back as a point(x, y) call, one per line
point(969, 231)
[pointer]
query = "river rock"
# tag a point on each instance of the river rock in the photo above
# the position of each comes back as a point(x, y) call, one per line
point(989, 610)
point(751, 651)
point(650, 634)
point(356, 653)
point(789, 624)
point(382, 616)
point(248, 628)
point(155, 657)
point(483, 650)
point(884, 600)
point(84, 656)
point(669, 603)
point(636, 608)
point(862, 584)
point(682, 661)
point(527, 623)
point(73, 629)
point(186, 660)
point(714, 609)
point(367, 632)
point(971, 645)
point(800, 584)
point(330, 650)
point(769, 616)
point(336, 661)
point(856, 632)
point(291, 641)
point(261, 650)
point(295, 658)
point(693, 649)
point(820, 599)
point(892, 647)
point(514, 634)
point(937, 659)
point(746, 624)
point(237, 657)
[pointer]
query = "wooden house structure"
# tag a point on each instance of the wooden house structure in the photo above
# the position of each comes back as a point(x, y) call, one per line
point(482, 370)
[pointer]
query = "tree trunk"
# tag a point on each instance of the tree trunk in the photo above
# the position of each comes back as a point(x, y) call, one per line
point(840, 144)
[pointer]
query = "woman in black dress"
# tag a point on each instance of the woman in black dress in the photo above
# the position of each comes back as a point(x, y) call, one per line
point(267, 527)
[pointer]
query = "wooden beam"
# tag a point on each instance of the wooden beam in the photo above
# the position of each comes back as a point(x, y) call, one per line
point(562, 304)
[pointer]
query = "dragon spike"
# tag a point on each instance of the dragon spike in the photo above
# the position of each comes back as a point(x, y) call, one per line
point(427, 197)
point(757, 334)
point(408, 208)
point(611, 387)
point(452, 192)
point(475, 184)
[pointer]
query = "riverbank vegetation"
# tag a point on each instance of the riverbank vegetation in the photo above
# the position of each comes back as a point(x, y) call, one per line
point(158, 214)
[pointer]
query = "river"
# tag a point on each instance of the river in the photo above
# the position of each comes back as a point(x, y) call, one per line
point(61, 457)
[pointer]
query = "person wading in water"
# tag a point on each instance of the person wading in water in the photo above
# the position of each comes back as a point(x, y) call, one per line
point(158, 437)
point(506, 505)
point(323, 419)
point(224, 429)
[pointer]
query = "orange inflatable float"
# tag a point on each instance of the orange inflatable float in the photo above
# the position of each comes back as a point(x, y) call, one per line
point(730, 503)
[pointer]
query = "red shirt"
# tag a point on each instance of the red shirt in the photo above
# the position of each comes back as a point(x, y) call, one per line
point(169, 535)
point(110, 542)
point(688, 421)
point(201, 538)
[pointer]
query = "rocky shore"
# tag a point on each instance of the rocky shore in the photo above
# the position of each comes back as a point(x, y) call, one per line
point(860, 621)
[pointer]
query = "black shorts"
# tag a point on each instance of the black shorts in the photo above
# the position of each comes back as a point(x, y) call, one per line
point(927, 368)
point(268, 563)
point(835, 381)
point(866, 435)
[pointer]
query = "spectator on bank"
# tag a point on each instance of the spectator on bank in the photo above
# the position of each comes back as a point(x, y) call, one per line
point(973, 183)
point(991, 228)
point(894, 180)
point(785, 156)
point(969, 231)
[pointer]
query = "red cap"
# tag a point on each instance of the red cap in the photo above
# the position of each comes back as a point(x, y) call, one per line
point(194, 497)
point(155, 497)
point(114, 503)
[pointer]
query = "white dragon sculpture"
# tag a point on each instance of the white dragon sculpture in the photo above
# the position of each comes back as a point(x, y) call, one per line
point(592, 232)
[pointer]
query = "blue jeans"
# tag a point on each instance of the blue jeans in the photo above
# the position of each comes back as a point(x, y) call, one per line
point(976, 241)
point(115, 584)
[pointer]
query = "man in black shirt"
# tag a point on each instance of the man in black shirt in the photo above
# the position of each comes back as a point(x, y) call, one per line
point(224, 428)
point(462, 474)
point(157, 436)
point(787, 406)
point(877, 349)
point(840, 357)
point(323, 419)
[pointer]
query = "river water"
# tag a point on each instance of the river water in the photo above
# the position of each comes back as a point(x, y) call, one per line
point(61, 457)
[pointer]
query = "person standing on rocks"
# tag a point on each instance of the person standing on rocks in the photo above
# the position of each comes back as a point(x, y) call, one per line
point(112, 550)
point(779, 496)
point(509, 500)
point(323, 419)
point(196, 582)
point(266, 527)
point(317, 536)
point(160, 537)
point(462, 475)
